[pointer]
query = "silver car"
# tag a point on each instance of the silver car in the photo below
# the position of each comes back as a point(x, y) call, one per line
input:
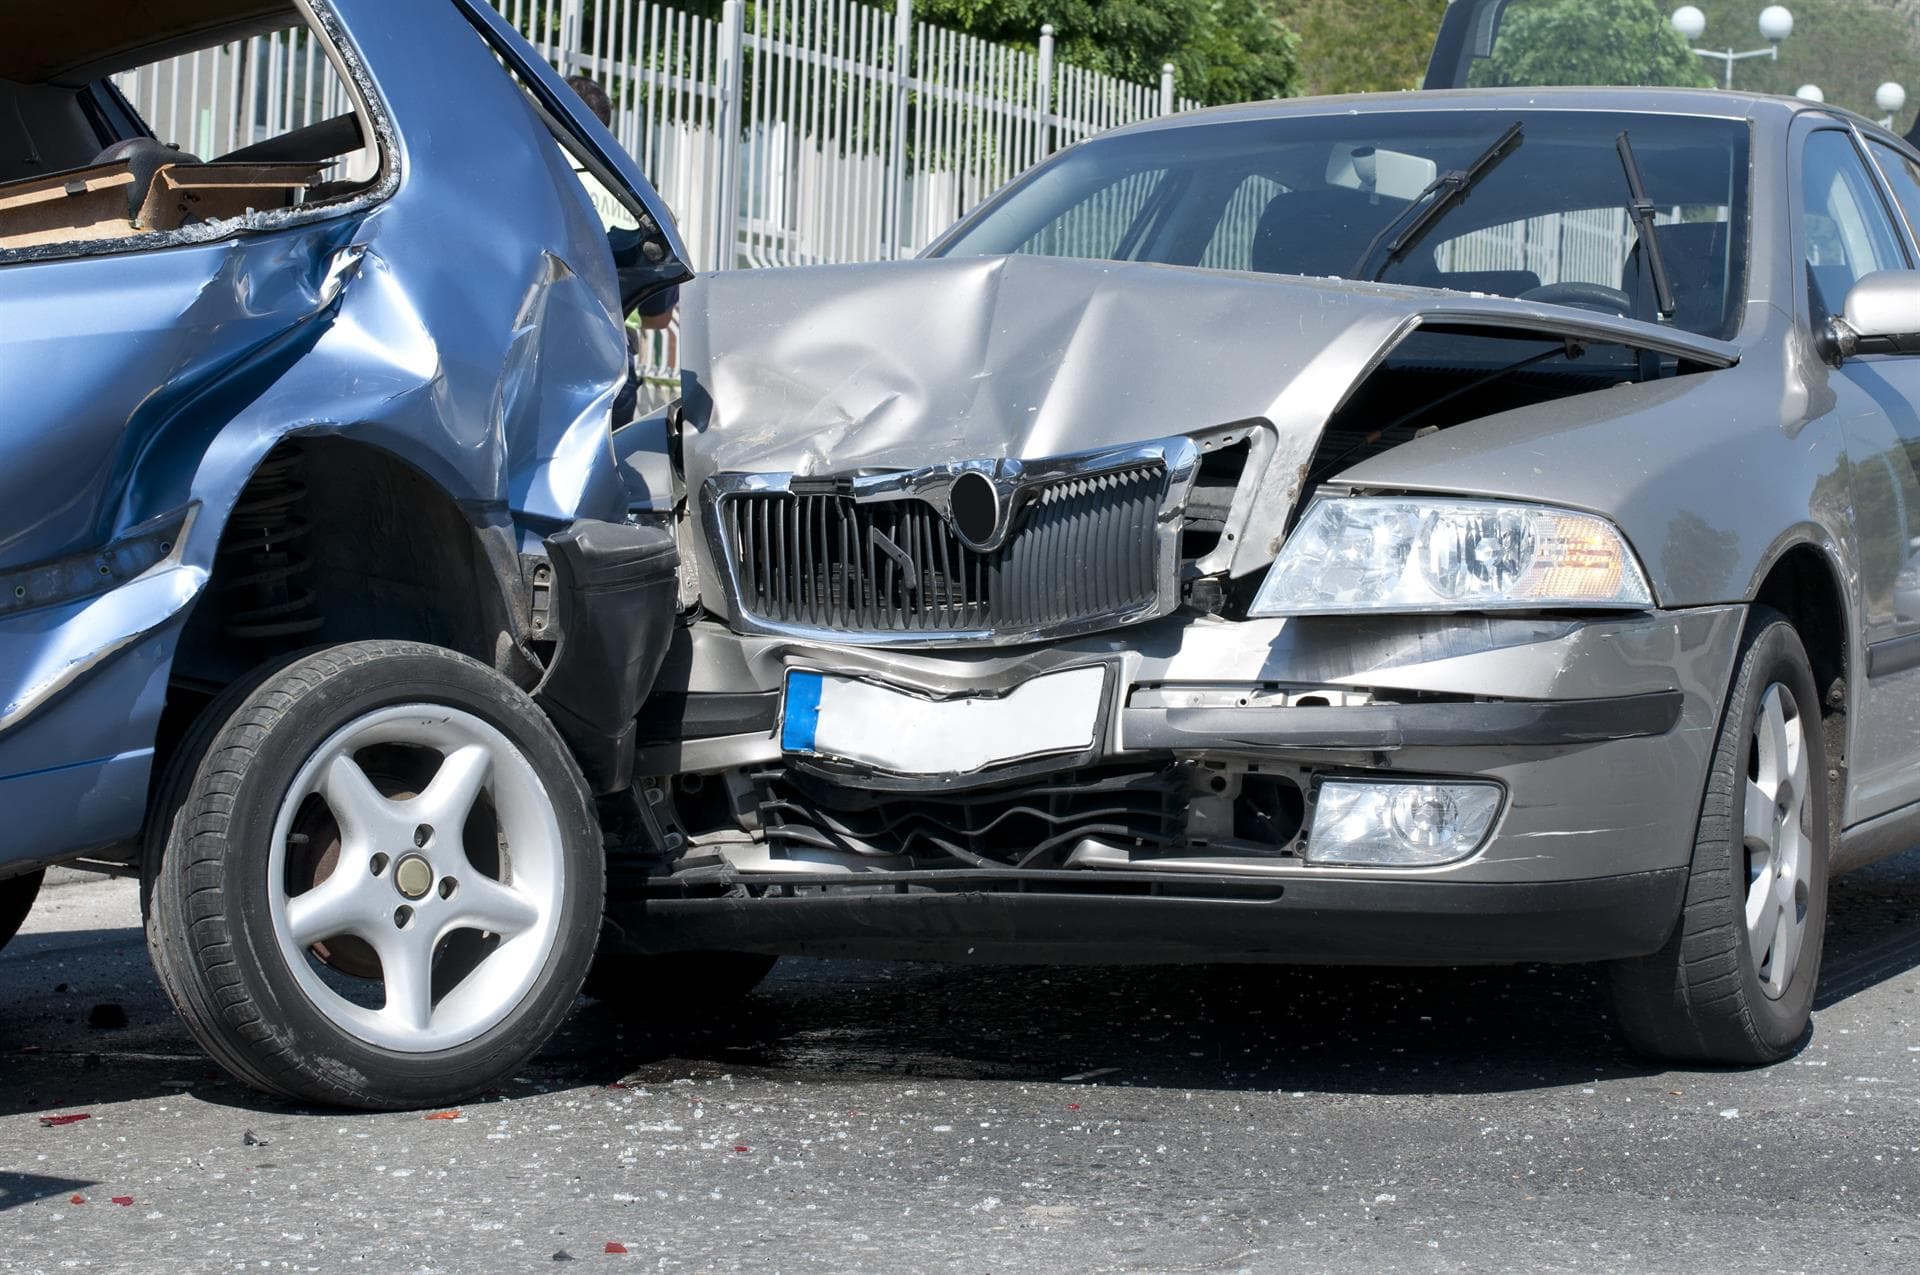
point(1463, 527)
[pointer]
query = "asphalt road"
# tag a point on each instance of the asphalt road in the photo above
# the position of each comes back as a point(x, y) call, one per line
point(868, 1117)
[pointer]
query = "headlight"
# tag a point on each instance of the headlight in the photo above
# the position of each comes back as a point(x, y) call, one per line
point(1354, 554)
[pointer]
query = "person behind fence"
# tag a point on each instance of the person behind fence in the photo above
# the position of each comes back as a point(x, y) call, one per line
point(623, 236)
point(623, 230)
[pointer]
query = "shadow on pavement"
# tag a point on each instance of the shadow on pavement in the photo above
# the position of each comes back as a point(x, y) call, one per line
point(1228, 1028)
point(24, 1188)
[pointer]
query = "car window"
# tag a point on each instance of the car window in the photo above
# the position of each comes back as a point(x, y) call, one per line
point(239, 130)
point(1547, 42)
point(1112, 223)
point(1321, 195)
point(1231, 246)
point(1845, 228)
point(1903, 176)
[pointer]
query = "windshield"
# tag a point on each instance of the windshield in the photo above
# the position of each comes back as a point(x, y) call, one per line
point(1313, 195)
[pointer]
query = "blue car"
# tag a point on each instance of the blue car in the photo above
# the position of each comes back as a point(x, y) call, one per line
point(321, 605)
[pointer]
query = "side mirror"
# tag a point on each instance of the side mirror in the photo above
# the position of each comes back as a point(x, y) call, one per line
point(1881, 316)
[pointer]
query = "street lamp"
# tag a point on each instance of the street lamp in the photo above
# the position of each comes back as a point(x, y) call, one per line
point(1890, 98)
point(1810, 93)
point(1776, 24)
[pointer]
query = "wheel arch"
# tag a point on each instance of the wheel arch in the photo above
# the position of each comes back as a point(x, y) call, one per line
point(330, 540)
point(1803, 582)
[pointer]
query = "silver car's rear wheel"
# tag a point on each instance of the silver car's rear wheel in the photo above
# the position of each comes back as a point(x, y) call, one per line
point(376, 878)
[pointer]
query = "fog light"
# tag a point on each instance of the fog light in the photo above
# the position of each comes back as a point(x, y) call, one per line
point(1400, 825)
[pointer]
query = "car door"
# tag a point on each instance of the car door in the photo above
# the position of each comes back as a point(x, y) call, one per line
point(1845, 229)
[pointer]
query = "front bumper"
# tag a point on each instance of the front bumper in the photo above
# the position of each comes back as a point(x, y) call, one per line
point(1599, 730)
point(1069, 918)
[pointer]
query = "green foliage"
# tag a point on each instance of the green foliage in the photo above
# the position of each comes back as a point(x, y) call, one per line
point(1222, 50)
point(1847, 47)
point(1589, 42)
point(1362, 46)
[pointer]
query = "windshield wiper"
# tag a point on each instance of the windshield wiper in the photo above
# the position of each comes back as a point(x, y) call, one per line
point(1641, 209)
point(1431, 204)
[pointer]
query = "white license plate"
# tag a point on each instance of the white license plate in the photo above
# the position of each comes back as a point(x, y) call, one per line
point(848, 719)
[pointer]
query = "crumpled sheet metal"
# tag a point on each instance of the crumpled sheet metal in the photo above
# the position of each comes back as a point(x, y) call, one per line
point(897, 365)
point(469, 326)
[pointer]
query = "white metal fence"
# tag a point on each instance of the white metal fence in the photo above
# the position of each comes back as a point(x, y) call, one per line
point(794, 132)
point(788, 132)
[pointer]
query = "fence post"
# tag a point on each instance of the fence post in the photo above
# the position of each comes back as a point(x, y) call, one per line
point(896, 204)
point(1043, 97)
point(1166, 88)
point(732, 90)
point(569, 46)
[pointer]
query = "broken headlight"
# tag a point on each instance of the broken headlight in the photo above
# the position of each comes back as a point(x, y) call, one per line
point(1396, 554)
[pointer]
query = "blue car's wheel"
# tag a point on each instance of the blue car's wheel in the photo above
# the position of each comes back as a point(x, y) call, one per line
point(382, 881)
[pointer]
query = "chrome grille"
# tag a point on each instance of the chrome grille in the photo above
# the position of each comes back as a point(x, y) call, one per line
point(1081, 549)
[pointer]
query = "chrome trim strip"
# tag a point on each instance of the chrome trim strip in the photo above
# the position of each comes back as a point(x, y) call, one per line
point(1179, 456)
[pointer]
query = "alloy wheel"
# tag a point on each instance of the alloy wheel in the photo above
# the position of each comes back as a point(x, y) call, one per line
point(418, 856)
point(1777, 842)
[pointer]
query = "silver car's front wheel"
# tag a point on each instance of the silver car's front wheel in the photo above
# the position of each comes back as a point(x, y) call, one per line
point(1778, 848)
point(378, 879)
point(1735, 981)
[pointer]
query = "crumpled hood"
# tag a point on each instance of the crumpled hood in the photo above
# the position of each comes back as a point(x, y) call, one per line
point(904, 364)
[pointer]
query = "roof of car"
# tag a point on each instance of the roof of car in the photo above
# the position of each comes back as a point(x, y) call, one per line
point(1707, 103)
point(78, 40)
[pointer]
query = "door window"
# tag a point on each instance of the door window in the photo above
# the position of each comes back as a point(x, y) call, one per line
point(1845, 229)
point(1903, 175)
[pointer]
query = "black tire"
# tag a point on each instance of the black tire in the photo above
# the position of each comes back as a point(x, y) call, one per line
point(676, 986)
point(211, 927)
point(1700, 998)
point(16, 900)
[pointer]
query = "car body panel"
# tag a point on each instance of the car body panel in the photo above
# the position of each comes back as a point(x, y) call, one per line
point(844, 368)
point(156, 379)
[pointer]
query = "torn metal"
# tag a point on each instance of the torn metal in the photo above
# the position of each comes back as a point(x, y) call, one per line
point(464, 346)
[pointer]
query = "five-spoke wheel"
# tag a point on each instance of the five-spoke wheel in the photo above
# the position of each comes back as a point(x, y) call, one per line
point(379, 878)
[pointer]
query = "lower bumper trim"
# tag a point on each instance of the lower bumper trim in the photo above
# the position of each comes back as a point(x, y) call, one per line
point(1387, 727)
point(1086, 918)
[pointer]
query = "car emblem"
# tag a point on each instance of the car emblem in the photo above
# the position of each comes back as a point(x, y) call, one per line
point(973, 511)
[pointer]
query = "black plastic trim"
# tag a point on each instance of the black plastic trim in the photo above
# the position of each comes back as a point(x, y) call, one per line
point(615, 593)
point(1895, 655)
point(1386, 727)
point(1108, 918)
point(673, 716)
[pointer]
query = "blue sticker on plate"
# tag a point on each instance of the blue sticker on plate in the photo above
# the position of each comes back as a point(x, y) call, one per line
point(802, 720)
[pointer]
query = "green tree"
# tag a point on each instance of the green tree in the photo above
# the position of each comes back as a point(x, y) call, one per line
point(1363, 46)
point(1847, 47)
point(1589, 42)
point(1222, 50)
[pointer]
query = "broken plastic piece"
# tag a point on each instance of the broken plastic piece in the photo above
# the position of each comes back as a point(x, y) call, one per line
point(615, 1246)
point(54, 1122)
point(124, 1201)
point(442, 1115)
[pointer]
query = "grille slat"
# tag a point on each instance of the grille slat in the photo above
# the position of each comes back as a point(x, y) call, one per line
point(1082, 549)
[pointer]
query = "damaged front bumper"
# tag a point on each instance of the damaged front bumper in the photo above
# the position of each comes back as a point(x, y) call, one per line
point(1178, 819)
